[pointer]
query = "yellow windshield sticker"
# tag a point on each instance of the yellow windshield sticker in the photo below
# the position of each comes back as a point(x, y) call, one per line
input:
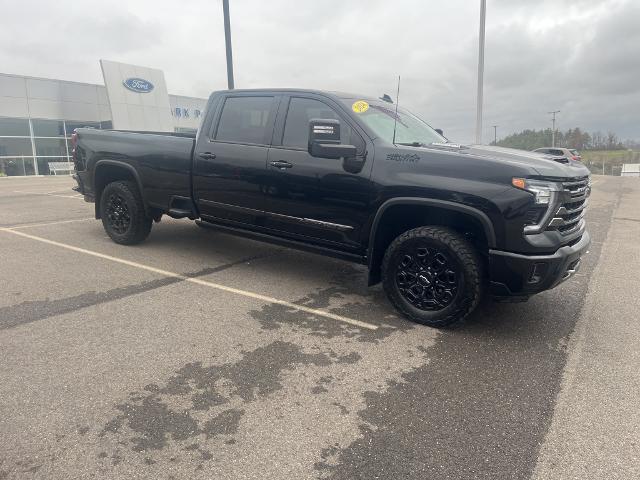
point(360, 106)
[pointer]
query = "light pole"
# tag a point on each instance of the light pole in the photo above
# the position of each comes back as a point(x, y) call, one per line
point(495, 134)
point(483, 14)
point(553, 129)
point(227, 42)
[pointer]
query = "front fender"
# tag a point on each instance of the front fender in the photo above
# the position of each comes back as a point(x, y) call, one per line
point(375, 251)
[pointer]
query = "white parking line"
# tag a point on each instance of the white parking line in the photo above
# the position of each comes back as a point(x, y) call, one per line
point(197, 281)
point(46, 224)
point(77, 195)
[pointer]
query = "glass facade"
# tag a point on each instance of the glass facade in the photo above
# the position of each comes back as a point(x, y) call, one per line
point(38, 116)
point(27, 146)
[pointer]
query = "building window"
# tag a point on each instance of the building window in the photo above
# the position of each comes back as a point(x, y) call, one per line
point(48, 128)
point(10, 167)
point(15, 147)
point(51, 147)
point(27, 146)
point(14, 127)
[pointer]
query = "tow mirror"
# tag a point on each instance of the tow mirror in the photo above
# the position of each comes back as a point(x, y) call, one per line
point(324, 140)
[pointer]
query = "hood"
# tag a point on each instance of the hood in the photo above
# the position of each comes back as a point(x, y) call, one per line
point(543, 164)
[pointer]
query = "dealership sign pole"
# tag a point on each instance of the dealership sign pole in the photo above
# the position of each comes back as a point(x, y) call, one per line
point(227, 41)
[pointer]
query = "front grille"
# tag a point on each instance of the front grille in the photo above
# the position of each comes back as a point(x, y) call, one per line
point(569, 215)
point(577, 188)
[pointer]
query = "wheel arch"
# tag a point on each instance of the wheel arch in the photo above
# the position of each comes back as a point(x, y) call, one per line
point(398, 215)
point(107, 171)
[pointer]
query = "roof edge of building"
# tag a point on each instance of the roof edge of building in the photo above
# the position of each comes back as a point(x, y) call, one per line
point(31, 77)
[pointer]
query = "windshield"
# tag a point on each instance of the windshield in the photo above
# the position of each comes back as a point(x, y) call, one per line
point(380, 117)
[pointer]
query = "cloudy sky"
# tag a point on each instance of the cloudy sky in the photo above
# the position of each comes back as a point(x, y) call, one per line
point(578, 56)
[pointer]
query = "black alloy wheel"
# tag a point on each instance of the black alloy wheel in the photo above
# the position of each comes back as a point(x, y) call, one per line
point(118, 214)
point(427, 278)
point(123, 213)
point(432, 275)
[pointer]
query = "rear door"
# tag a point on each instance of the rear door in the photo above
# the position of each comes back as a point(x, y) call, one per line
point(309, 197)
point(230, 158)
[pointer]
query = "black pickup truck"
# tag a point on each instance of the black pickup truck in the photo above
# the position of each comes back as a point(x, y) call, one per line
point(354, 177)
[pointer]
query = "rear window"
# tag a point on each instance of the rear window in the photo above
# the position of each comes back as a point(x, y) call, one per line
point(574, 152)
point(245, 120)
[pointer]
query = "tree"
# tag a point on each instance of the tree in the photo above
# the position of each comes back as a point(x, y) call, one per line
point(572, 138)
point(612, 142)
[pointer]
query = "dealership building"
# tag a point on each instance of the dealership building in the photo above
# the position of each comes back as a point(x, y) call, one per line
point(38, 115)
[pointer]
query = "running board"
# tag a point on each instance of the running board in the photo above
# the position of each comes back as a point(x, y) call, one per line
point(284, 242)
point(179, 213)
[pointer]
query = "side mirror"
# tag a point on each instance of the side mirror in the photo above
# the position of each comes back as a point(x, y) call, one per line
point(439, 130)
point(324, 140)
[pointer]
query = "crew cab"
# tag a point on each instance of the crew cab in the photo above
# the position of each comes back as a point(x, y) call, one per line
point(360, 178)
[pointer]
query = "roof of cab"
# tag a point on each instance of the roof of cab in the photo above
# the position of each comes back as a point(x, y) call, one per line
point(328, 93)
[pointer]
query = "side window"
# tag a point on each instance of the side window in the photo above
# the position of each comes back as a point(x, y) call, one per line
point(244, 120)
point(296, 127)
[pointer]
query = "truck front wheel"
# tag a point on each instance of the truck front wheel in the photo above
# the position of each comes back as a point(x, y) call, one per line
point(432, 275)
point(123, 214)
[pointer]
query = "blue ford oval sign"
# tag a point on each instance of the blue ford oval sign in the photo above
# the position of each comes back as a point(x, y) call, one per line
point(138, 85)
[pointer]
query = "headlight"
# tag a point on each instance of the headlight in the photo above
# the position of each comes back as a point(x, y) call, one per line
point(543, 192)
point(545, 196)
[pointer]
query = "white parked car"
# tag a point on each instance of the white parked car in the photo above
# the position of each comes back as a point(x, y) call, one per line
point(568, 153)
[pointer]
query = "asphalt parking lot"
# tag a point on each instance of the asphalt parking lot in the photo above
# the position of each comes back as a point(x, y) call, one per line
point(200, 355)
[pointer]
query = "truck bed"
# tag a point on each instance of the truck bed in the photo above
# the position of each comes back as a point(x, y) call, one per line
point(161, 160)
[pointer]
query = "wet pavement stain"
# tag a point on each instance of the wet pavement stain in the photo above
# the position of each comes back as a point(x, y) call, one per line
point(155, 422)
point(322, 383)
point(23, 466)
point(149, 422)
point(352, 357)
point(343, 410)
point(348, 282)
point(318, 389)
point(225, 423)
point(33, 311)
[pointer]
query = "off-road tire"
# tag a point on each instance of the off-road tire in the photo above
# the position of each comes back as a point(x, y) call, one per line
point(462, 256)
point(139, 223)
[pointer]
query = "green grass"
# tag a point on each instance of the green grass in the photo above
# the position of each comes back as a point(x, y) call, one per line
point(609, 160)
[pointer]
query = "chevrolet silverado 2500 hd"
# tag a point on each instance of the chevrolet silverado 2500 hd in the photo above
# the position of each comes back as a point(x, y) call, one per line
point(357, 178)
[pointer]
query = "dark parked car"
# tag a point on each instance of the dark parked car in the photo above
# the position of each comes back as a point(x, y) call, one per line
point(354, 177)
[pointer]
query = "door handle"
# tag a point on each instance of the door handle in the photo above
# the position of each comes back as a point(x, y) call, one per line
point(207, 155)
point(281, 164)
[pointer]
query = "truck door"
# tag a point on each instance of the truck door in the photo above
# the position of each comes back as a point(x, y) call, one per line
point(314, 197)
point(230, 159)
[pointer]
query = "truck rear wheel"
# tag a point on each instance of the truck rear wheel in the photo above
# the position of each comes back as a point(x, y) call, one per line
point(123, 214)
point(432, 275)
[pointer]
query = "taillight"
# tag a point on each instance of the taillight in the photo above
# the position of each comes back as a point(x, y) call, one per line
point(74, 142)
point(576, 158)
